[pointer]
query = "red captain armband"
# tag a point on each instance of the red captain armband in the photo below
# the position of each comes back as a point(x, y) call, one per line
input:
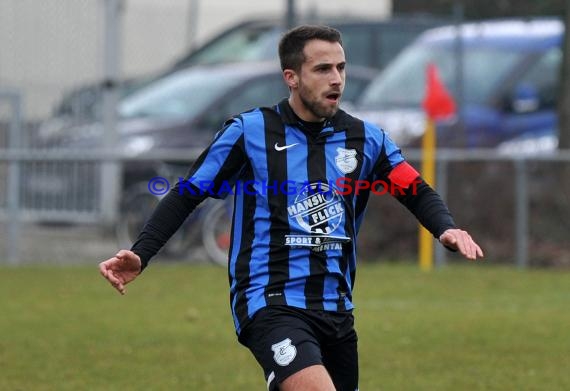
point(403, 175)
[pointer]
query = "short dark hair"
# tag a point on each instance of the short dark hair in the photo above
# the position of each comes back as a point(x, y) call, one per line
point(293, 42)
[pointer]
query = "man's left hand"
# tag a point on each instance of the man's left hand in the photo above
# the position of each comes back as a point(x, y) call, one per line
point(460, 240)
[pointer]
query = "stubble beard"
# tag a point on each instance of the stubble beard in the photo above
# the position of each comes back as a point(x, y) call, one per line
point(315, 107)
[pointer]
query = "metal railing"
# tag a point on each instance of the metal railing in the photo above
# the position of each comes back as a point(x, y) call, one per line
point(28, 163)
point(521, 185)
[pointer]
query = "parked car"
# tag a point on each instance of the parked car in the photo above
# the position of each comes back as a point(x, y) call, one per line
point(182, 111)
point(368, 43)
point(199, 98)
point(510, 80)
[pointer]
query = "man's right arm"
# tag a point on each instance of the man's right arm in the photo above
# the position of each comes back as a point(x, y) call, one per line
point(219, 163)
point(165, 220)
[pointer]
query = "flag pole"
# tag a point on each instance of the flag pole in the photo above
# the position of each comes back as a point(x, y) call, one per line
point(438, 104)
point(426, 247)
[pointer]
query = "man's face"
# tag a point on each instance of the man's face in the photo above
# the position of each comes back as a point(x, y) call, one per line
point(321, 79)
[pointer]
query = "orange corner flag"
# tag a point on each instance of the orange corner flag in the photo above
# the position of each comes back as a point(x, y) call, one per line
point(438, 102)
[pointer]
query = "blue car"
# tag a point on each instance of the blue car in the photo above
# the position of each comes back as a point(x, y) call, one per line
point(507, 88)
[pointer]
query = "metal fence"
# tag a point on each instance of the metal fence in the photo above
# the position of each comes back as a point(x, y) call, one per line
point(516, 206)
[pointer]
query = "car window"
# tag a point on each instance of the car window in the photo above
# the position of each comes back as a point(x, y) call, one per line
point(403, 81)
point(177, 96)
point(375, 44)
point(357, 43)
point(368, 43)
point(543, 75)
point(390, 43)
point(263, 91)
point(354, 87)
point(251, 44)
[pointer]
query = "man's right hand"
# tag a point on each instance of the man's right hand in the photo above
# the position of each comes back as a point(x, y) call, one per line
point(121, 269)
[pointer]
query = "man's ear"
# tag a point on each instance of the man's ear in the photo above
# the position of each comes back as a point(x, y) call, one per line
point(291, 78)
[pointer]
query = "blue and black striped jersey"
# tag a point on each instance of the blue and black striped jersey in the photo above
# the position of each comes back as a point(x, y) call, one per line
point(293, 239)
point(293, 236)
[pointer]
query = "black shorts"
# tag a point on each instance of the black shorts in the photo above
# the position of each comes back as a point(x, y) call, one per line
point(285, 340)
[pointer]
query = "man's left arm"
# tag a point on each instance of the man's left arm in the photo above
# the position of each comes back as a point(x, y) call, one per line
point(430, 210)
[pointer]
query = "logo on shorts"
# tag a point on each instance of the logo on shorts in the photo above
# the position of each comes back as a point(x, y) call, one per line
point(284, 352)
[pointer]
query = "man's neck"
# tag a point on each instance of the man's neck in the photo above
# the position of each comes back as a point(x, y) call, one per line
point(313, 127)
point(301, 111)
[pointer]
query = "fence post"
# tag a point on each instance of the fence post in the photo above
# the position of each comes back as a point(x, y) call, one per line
point(459, 77)
point(290, 16)
point(192, 24)
point(441, 184)
point(111, 170)
point(14, 224)
point(521, 213)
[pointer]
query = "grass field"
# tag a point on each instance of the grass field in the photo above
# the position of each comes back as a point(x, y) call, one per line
point(472, 327)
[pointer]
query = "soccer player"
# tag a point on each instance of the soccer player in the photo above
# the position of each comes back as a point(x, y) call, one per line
point(292, 260)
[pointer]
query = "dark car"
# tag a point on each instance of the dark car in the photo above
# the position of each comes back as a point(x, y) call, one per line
point(194, 101)
point(181, 111)
point(509, 83)
point(368, 42)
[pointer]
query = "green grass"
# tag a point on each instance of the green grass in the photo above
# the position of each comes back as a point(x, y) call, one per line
point(473, 327)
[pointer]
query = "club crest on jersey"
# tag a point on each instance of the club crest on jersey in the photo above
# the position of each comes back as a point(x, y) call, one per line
point(284, 352)
point(346, 160)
